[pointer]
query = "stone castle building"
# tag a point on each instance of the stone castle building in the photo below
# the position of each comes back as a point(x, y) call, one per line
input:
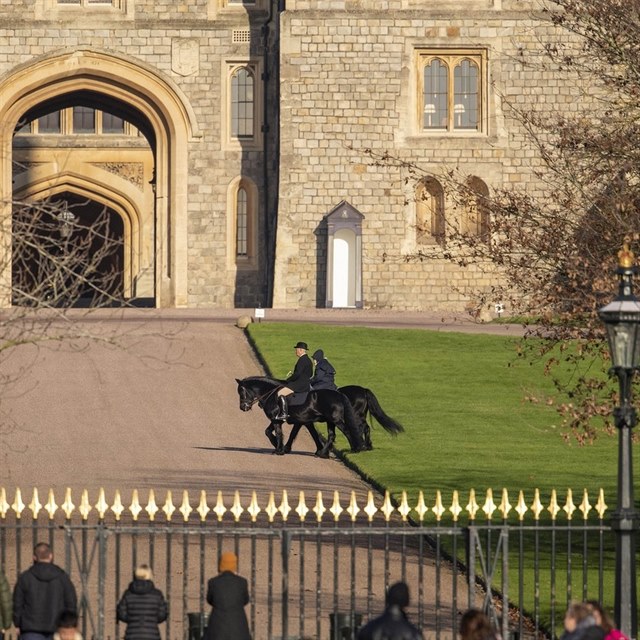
point(228, 139)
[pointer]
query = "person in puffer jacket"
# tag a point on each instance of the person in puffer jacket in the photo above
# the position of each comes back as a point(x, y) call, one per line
point(324, 376)
point(142, 607)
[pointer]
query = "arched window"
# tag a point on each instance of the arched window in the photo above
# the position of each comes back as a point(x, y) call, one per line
point(430, 220)
point(242, 223)
point(435, 95)
point(465, 98)
point(242, 104)
point(242, 226)
point(476, 214)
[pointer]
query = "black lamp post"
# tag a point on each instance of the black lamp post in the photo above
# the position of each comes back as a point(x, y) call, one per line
point(622, 320)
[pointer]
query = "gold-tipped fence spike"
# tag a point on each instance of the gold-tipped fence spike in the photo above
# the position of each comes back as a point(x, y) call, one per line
point(18, 506)
point(51, 507)
point(353, 509)
point(254, 508)
point(236, 507)
point(102, 506)
point(404, 509)
point(521, 507)
point(387, 507)
point(336, 507)
point(168, 508)
point(472, 506)
point(219, 509)
point(553, 507)
point(505, 506)
point(421, 507)
point(601, 505)
point(117, 507)
point(185, 507)
point(438, 508)
point(85, 505)
point(67, 506)
point(135, 507)
point(569, 506)
point(4, 505)
point(152, 508)
point(370, 508)
point(319, 508)
point(203, 507)
point(536, 506)
point(284, 507)
point(455, 507)
point(35, 505)
point(302, 508)
point(489, 506)
point(585, 507)
point(271, 508)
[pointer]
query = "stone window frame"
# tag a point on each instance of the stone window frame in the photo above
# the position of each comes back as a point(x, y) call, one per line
point(247, 261)
point(230, 67)
point(430, 220)
point(451, 57)
point(66, 126)
point(77, 9)
point(476, 219)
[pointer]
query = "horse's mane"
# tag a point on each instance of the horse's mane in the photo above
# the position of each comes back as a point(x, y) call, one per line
point(267, 379)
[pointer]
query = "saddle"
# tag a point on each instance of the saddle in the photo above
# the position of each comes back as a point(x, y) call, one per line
point(297, 398)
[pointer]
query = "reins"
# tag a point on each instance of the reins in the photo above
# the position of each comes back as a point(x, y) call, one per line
point(264, 396)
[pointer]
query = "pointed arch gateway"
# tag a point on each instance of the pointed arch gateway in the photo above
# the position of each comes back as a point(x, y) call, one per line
point(156, 106)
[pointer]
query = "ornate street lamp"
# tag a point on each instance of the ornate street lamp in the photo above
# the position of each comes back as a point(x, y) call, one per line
point(622, 320)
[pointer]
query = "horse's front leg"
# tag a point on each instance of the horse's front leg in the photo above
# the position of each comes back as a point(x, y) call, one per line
point(331, 438)
point(278, 436)
point(292, 436)
point(270, 432)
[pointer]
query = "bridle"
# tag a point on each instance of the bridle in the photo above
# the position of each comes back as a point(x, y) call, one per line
point(247, 405)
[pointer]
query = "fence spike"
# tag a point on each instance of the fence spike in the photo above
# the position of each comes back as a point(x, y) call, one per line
point(521, 507)
point(4, 505)
point(553, 507)
point(371, 508)
point(505, 505)
point(219, 509)
point(18, 506)
point(51, 507)
point(319, 509)
point(271, 508)
point(353, 509)
point(404, 509)
point(185, 507)
point(536, 505)
point(569, 506)
point(438, 508)
point(236, 507)
point(489, 506)
point(301, 509)
point(85, 505)
point(35, 505)
point(601, 505)
point(585, 507)
point(336, 508)
point(117, 507)
point(203, 507)
point(67, 506)
point(169, 508)
point(135, 508)
point(152, 508)
point(455, 507)
point(421, 507)
point(254, 508)
point(102, 505)
point(472, 505)
point(284, 508)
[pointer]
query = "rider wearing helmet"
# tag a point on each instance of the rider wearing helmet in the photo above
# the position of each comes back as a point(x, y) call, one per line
point(296, 382)
point(324, 375)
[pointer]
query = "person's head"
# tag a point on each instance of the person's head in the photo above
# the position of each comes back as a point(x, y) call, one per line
point(475, 625)
point(600, 615)
point(228, 562)
point(301, 348)
point(42, 553)
point(143, 572)
point(318, 355)
point(68, 619)
point(398, 595)
point(577, 613)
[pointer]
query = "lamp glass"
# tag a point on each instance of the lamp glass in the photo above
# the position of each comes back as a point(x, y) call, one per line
point(624, 343)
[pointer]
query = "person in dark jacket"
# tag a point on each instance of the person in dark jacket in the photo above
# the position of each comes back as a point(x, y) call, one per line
point(324, 375)
point(227, 594)
point(296, 382)
point(6, 613)
point(41, 594)
point(393, 624)
point(142, 607)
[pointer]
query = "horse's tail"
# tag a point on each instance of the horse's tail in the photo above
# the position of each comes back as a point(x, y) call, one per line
point(389, 424)
point(353, 424)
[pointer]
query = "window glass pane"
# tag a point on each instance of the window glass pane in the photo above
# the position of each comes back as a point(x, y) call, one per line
point(241, 223)
point(242, 104)
point(111, 123)
point(465, 101)
point(49, 123)
point(23, 127)
point(84, 120)
point(435, 96)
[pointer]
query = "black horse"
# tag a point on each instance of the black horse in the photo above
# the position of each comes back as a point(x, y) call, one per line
point(364, 403)
point(323, 405)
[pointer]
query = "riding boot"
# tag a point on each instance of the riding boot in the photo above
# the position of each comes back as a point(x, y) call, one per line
point(282, 406)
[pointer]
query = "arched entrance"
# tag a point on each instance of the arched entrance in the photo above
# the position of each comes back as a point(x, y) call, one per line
point(154, 104)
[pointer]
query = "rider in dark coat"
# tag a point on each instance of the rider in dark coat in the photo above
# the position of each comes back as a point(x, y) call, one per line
point(296, 382)
point(324, 375)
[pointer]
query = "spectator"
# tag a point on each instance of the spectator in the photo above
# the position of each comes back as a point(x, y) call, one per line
point(227, 593)
point(475, 625)
point(41, 594)
point(324, 375)
point(580, 623)
point(603, 619)
point(393, 624)
point(5, 604)
point(67, 627)
point(142, 607)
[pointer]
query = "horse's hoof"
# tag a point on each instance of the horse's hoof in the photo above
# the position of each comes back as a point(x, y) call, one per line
point(279, 453)
point(287, 449)
point(322, 454)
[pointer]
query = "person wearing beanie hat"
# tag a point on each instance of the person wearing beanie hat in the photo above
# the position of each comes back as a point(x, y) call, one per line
point(296, 382)
point(324, 375)
point(227, 593)
point(393, 624)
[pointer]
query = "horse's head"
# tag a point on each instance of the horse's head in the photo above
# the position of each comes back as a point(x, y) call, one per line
point(247, 397)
